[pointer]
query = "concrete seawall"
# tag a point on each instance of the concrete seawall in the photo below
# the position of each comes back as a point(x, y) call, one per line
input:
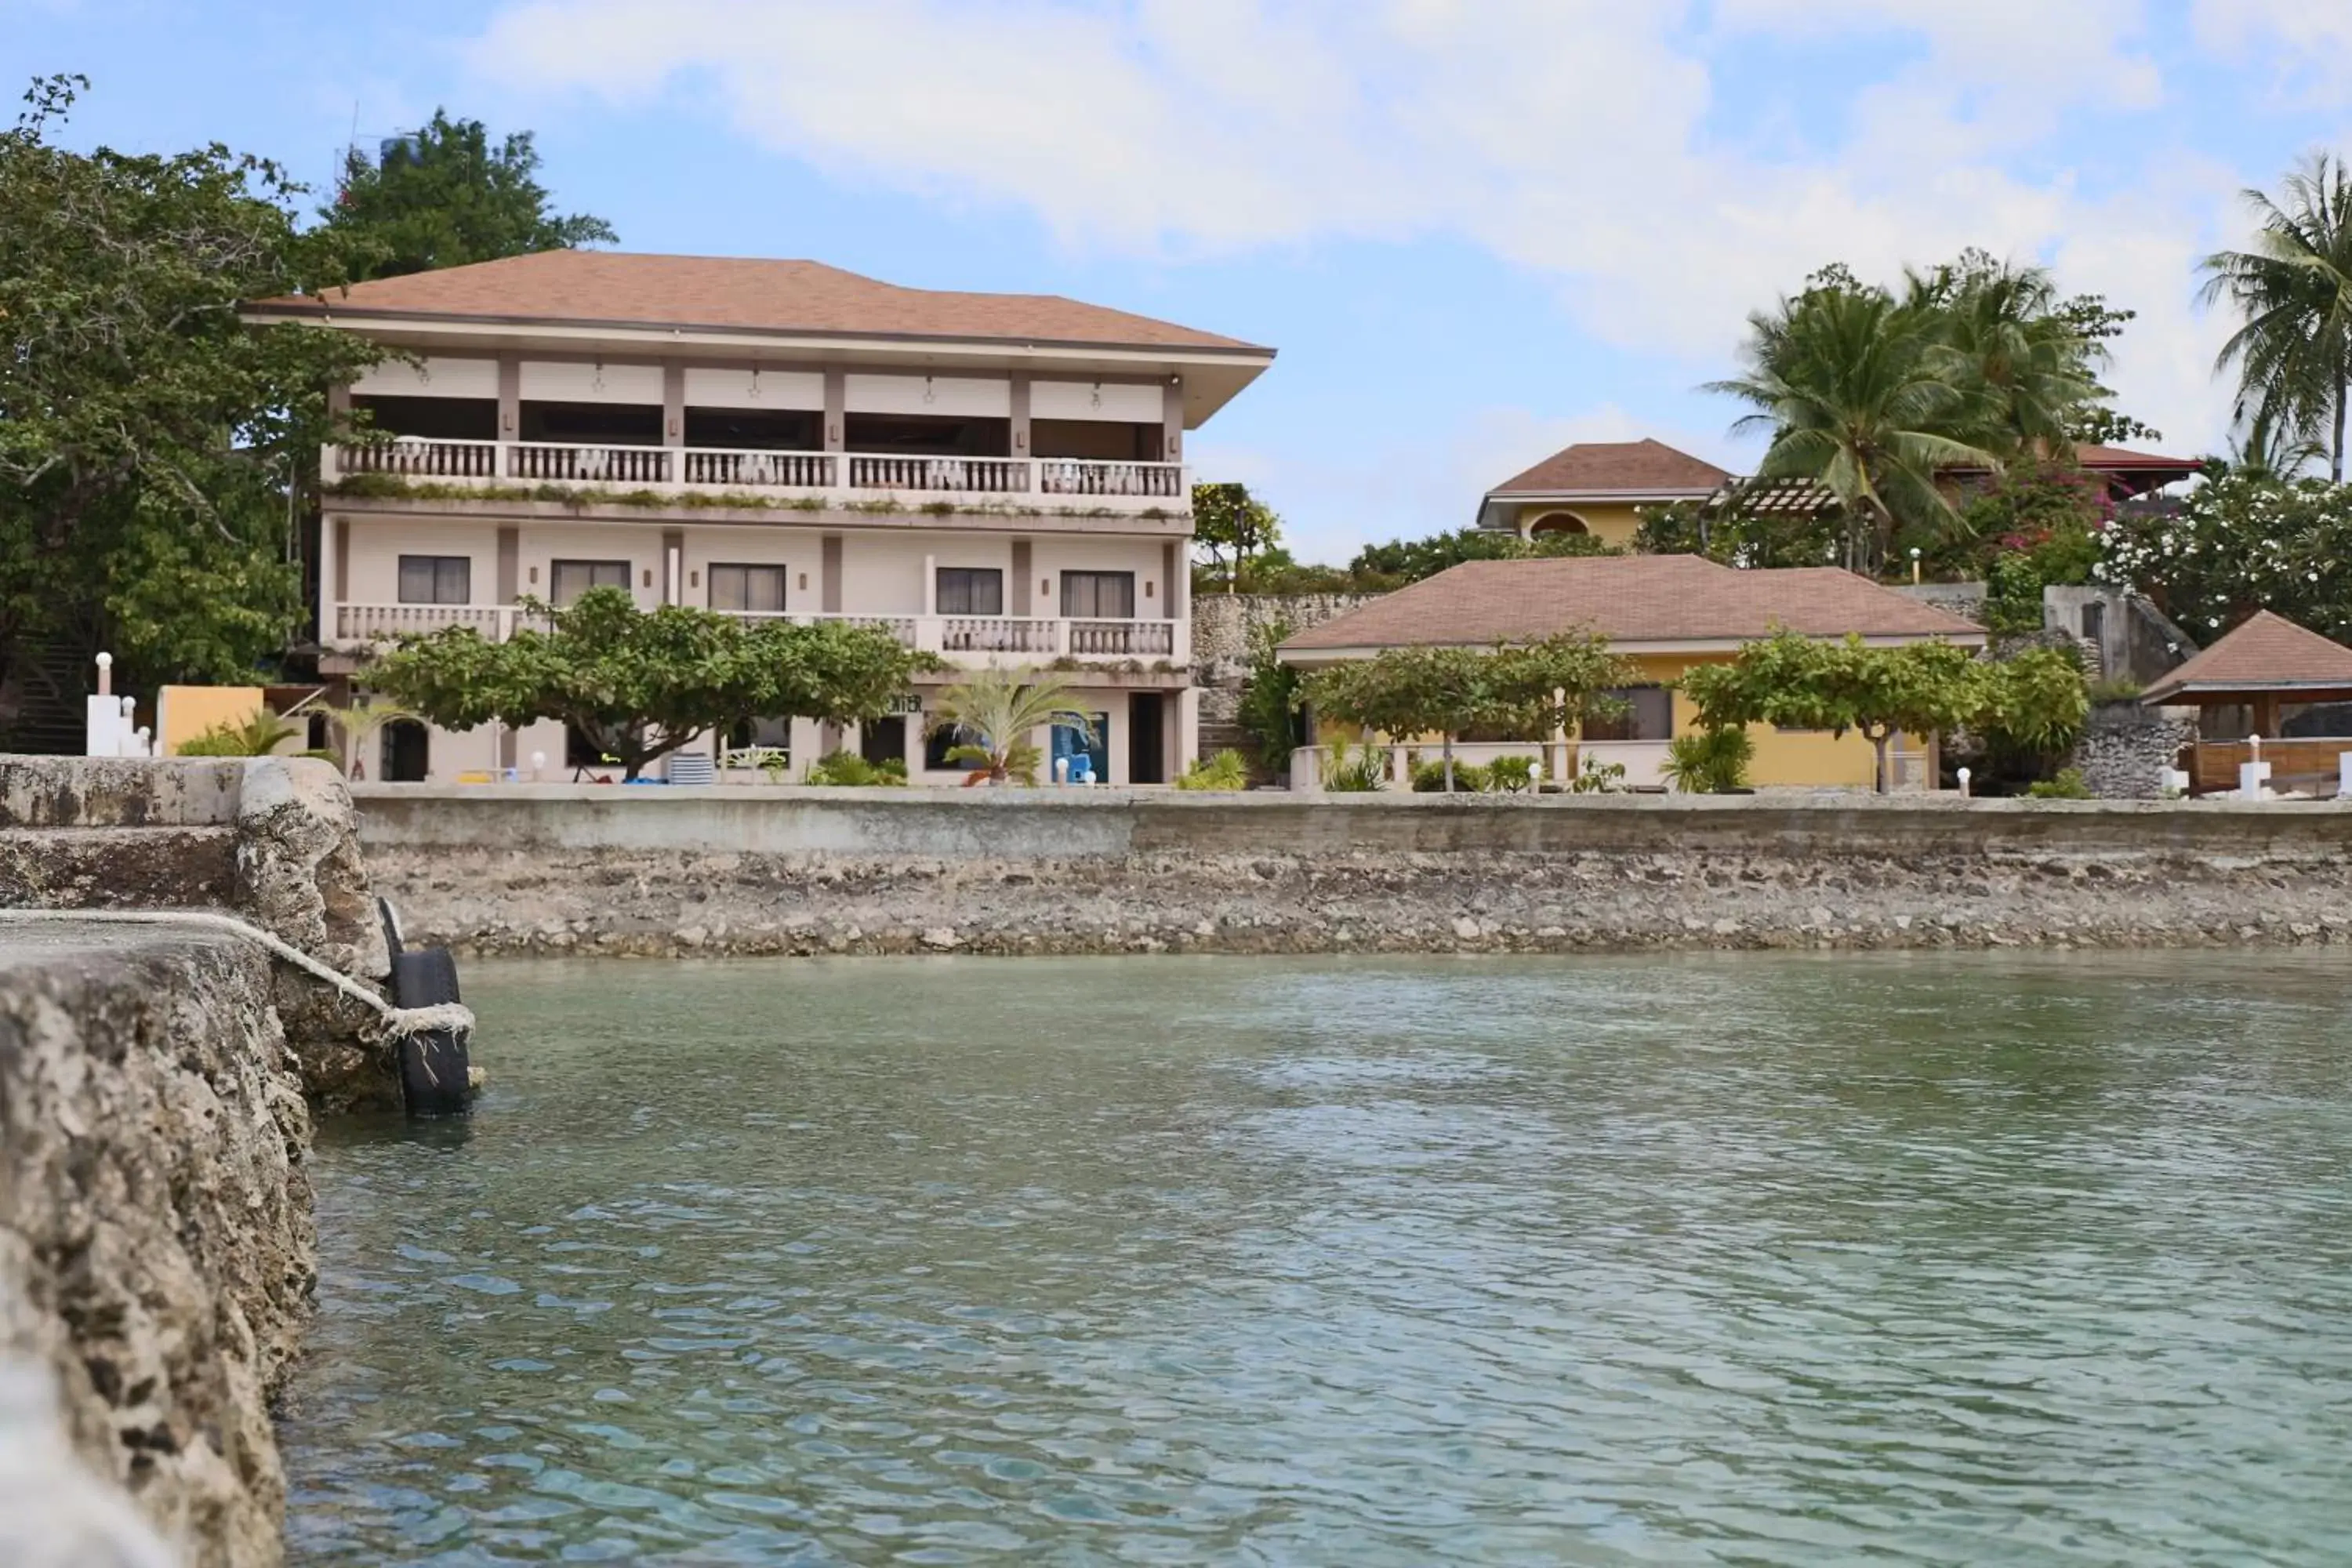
point(560, 867)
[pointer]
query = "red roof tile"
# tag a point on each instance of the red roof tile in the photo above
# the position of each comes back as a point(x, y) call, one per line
point(1602, 468)
point(1629, 599)
point(610, 288)
point(2268, 653)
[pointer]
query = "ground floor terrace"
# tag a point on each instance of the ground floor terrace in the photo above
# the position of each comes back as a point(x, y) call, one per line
point(1145, 733)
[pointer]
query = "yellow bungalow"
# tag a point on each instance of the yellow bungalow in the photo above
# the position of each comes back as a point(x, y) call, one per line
point(1598, 488)
point(1662, 614)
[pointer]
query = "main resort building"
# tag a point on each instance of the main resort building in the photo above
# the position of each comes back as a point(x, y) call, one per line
point(996, 479)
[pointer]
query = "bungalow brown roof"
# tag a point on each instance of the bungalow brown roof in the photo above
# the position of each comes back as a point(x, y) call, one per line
point(1601, 467)
point(716, 291)
point(2268, 653)
point(1629, 599)
point(2095, 457)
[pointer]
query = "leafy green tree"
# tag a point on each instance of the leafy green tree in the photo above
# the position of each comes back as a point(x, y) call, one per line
point(2245, 539)
point(639, 684)
point(2292, 357)
point(1795, 682)
point(1740, 533)
point(1234, 527)
point(1525, 691)
point(2034, 526)
point(444, 197)
point(1270, 699)
point(2033, 702)
point(993, 712)
point(153, 447)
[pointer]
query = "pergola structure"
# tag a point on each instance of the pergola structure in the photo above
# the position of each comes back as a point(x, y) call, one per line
point(2248, 688)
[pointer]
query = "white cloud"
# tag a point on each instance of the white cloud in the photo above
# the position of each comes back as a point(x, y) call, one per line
point(2306, 44)
point(1575, 138)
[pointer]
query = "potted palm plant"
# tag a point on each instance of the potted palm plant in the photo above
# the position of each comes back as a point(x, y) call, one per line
point(991, 713)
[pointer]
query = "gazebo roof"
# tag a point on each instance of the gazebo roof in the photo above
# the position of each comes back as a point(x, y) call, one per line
point(2268, 654)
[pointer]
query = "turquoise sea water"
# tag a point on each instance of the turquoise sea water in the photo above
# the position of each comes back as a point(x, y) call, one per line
point(1753, 1259)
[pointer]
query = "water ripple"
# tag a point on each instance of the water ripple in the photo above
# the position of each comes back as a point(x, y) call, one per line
point(1764, 1261)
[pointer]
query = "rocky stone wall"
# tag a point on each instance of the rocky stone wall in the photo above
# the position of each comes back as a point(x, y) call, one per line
point(156, 1254)
point(2125, 749)
point(1427, 873)
point(1222, 628)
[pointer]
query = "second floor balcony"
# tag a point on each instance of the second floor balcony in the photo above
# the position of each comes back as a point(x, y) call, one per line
point(846, 481)
point(973, 640)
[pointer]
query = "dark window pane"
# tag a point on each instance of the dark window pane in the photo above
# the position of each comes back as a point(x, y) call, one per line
point(1098, 595)
point(570, 579)
point(971, 591)
point(593, 424)
point(436, 580)
point(754, 429)
point(939, 744)
point(753, 588)
point(1647, 714)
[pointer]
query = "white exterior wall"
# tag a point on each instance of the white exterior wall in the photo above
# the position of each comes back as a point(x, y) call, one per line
point(800, 551)
point(1050, 557)
point(373, 566)
point(438, 376)
point(542, 544)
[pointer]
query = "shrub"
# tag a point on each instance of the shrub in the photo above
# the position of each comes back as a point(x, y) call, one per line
point(1511, 776)
point(2067, 785)
point(1469, 778)
point(259, 734)
point(847, 770)
point(1710, 761)
point(1225, 771)
point(1597, 777)
point(1359, 771)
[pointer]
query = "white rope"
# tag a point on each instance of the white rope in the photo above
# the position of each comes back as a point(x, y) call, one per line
point(399, 1022)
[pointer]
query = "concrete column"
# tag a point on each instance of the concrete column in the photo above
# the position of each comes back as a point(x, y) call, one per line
point(509, 398)
point(1188, 732)
point(837, 411)
point(829, 576)
point(930, 585)
point(334, 573)
point(673, 567)
point(673, 404)
point(510, 579)
point(1021, 415)
point(1171, 421)
point(1020, 604)
point(806, 744)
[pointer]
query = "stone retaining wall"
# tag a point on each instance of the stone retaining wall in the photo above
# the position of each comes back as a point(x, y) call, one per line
point(562, 869)
point(156, 1254)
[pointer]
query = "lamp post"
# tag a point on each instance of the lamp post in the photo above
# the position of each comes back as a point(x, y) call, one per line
point(1915, 566)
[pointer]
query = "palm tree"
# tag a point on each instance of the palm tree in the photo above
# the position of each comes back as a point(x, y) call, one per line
point(993, 712)
point(2294, 289)
point(2002, 340)
point(1844, 379)
point(356, 723)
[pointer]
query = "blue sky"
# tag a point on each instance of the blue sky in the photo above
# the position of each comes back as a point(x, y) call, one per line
point(1476, 229)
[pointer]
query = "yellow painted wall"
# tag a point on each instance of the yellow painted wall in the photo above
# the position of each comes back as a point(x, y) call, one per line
point(1782, 756)
point(184, 713)
point(1609, 524)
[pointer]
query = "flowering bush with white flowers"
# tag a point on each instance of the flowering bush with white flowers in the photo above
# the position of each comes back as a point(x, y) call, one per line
point(2240, 542)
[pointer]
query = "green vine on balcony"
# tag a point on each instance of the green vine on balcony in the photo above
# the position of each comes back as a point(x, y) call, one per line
point(583, 498)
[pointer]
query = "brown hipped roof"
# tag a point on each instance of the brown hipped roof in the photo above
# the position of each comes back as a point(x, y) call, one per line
point(1629, 599)
point(608, 288)
point(2269, 653)
point(1603, 468)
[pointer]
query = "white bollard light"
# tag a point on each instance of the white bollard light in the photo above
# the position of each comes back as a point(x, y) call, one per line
point(1061, 769)
point(538, 767)
point(1965, 777)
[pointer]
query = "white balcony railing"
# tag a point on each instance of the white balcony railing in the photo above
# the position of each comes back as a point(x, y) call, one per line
point(960, 639)
point(847, 477)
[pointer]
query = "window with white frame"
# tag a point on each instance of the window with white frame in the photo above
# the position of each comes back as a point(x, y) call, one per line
point(436, 580)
